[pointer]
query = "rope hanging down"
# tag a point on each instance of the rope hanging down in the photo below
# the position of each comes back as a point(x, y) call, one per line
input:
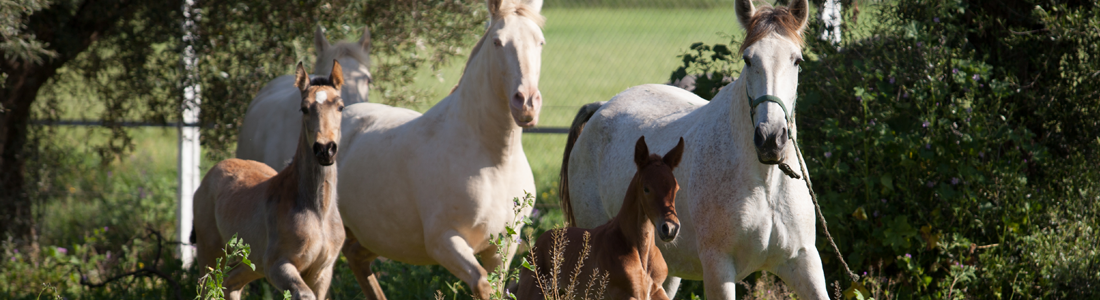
point(824, 225)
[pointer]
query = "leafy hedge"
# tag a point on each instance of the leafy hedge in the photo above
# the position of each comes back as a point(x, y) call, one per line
point(955, 147)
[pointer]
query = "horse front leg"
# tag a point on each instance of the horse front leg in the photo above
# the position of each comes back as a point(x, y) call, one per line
point(360, 260)
point(671, 285)
point(284, 276)
point(719, 275)
point(454, 253)
point(804, 274)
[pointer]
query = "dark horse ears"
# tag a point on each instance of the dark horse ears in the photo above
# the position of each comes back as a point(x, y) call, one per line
point(337, 75)
point(672, 158)
point(641, 153)
point(301, 78)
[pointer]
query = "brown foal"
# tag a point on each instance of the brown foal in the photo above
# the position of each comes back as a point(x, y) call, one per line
point(289, 218)
point(624, 247)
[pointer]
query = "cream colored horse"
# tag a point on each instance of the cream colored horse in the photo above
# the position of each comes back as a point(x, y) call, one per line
point(431, 189)
point(266, 135)
point(739, 213)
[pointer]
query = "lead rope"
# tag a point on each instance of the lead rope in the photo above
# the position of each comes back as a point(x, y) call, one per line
point(824, 225)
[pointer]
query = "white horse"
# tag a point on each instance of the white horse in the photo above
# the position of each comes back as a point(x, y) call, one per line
point(739, 213)
point(431, 189)
point(266, 134)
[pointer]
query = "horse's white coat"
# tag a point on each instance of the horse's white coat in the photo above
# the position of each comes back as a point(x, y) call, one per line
point(432, 188)
point(269, 131)
point(737, 214)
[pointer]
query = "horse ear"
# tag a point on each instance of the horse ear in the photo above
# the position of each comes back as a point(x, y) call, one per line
point(364, 42)
point(494, 8)
point(672, 158)
point(301, 78)
point(535, 5)
point(744, 10)
point(801, 11)
point(319, 40)
point(641, 152)
point(337, 75)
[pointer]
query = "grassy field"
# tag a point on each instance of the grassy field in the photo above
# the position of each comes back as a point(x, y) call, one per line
point(591, 54)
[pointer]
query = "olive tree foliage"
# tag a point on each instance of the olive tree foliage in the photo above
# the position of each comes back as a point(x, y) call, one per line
point(247, 43)
point(120, 60)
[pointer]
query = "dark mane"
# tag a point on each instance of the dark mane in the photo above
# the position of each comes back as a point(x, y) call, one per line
point(321, 81)
point(767, 20)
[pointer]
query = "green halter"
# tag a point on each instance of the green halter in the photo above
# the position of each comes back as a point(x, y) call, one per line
point(769, 98)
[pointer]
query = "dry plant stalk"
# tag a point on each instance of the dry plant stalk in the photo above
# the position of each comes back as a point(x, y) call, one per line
point(549, 284)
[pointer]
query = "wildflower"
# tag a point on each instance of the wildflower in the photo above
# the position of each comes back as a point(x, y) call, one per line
point(891, 80)
point(62, 250)
point(1025, 160)
point(905, 95)
point(872, 122)
point(928, 146)
point(968, 110)
point(981, 85)
point(954, 71)
point(981, 154)
point(860, 99)
point(864, 273)
point(876, 214)
point(534, 213)
point(883, 200)
point(931, 184)
point(954, 180)
point(105, 228)
point(925, 124)
point(920, 44)
point(828, 154)
point(908, 256)
point(936, 19)
point(976, 77)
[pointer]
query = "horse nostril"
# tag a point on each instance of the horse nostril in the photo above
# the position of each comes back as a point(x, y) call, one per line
point(518, 100)
point(318, 149)
point(665, 230)
point(332, 149)
point(758, 138)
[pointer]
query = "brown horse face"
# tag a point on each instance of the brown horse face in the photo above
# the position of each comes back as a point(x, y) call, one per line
point(321, 112)
point(658, 187)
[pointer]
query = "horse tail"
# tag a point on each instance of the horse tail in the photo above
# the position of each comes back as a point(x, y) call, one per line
point(579, 121)
point(193, 239)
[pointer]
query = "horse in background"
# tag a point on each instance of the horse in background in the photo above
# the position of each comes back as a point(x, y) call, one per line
point(625, 246)
point(432, 188)
point(265, 134)
point(739, 212)
point(290, 218)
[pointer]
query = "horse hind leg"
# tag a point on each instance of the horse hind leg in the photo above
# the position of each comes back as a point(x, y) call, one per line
point(284, 276)
point(804, 274)
point(455, 254)
point(360, 260)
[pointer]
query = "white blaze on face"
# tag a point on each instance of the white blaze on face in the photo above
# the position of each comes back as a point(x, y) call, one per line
point(320, 96)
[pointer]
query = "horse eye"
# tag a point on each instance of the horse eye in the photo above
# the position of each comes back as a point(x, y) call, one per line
point(646, 189)
point(748, 63)
point(341, 108)
point(305, 110)
point(797, 61)
point(498, 43)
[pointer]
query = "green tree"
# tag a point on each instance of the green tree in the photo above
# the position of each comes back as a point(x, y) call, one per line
point(127, 55)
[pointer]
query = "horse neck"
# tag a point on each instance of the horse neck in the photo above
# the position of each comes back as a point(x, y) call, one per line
point(315, 185)
point(478, 105)
point(636, 228)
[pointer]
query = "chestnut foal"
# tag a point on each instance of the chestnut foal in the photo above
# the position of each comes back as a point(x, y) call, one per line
point(290, 219)
point(624, 246)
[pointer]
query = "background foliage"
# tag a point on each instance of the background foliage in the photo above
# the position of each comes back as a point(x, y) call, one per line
point(954, 147)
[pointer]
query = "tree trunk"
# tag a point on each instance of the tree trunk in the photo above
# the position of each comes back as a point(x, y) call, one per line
point(68, 28)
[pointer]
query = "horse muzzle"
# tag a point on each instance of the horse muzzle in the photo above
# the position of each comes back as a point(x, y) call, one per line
point(770, 141)
point(325, 153)
point(525, 108)
point(667, 230)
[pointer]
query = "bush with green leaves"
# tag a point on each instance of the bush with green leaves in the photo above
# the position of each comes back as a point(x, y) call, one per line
point(954, 147)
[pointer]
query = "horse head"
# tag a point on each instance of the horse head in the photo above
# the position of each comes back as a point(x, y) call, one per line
point(355, 60)
point(322, 104)
point(514, 40)
point(658, 187)
point(772, 52)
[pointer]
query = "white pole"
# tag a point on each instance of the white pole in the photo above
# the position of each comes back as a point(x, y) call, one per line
point(189, 151)
point(830, 15)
